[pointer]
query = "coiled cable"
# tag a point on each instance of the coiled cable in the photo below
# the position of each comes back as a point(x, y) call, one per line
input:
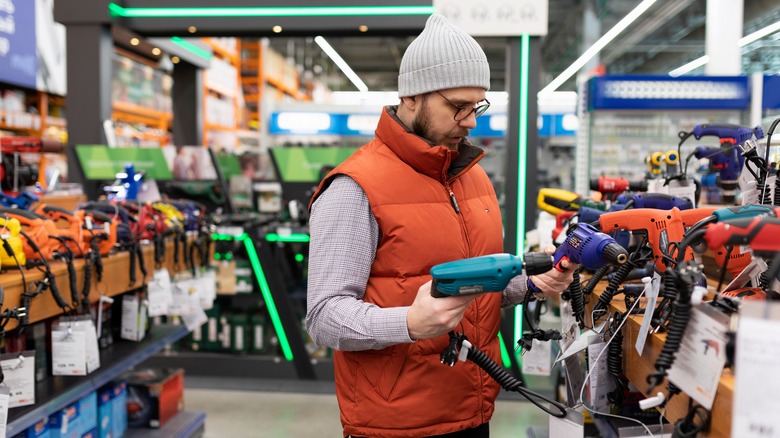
point(577, 298)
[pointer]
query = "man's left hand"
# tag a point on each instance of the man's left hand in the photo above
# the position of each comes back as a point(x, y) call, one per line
point(554, 281)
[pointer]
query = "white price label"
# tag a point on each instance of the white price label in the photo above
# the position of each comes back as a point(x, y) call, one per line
point(5, 400)
point(130, 310)
point(68, 353)
point(699, 363)
point(599, 382)
point(208, 289)
point(651, 293)
point(537, 361)
point(159, 293)
point(19, 376)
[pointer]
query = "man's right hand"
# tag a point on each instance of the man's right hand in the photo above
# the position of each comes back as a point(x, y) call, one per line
point(430, 317)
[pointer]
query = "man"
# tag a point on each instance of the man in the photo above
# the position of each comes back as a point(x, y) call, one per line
point(412, 198)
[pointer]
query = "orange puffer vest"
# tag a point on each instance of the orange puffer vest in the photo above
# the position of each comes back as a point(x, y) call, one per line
point(404, 390)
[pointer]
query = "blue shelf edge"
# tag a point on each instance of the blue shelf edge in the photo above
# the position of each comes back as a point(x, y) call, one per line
point(156, 340)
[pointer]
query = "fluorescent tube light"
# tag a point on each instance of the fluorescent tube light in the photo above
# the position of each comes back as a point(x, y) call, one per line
point(693, 65)
point(339, 61)
point(596, 48)
point(757, 35)
point(270, 11)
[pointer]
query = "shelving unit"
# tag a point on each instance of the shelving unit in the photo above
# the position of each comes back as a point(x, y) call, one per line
point(221, 94)
point(57, 392)
point(46, 121)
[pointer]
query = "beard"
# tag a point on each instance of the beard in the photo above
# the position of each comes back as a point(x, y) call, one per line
point(421, 126)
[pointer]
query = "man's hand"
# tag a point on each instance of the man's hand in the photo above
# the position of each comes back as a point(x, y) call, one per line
point(554, 281)
point(429, 317)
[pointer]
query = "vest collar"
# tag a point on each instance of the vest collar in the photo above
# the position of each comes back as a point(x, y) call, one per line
point(435, 161)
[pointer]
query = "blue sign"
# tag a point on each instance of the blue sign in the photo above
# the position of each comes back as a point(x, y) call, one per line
point(667, 93)
point(771, 94)
point(18, 61)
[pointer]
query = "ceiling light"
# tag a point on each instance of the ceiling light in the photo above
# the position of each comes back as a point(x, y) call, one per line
point(192, 29)
point(596, 48)
point(135, 41)
point(339, 61)
point(757, 35)
point(191, 47)
point(689, 67)
point(272, 11)
point(277, 29)
point(175, 59)
point(156, 51)
point(363, 28)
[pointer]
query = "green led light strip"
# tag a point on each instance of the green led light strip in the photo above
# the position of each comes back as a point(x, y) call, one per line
point(296, 237)
point(184, 44)
point(300, 11)
point(504, 354)
point(264, 289)
point(522, 162)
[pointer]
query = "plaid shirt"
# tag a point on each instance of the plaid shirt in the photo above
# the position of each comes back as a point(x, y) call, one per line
point(344, 238)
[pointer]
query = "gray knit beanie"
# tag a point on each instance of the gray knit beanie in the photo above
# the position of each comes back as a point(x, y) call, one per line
point(442, 57)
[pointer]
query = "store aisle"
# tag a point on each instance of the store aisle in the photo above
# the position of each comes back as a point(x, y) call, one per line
point(241, 413)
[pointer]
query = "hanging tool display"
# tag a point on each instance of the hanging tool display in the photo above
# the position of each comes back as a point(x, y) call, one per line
point(16, 174)
point(726, 160)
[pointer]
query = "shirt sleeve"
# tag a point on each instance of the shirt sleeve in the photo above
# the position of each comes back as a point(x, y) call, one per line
point(344, 238)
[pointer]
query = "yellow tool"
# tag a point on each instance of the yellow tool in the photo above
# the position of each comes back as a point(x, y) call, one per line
point(555, 201)
point(9, 231)
point(654, 161)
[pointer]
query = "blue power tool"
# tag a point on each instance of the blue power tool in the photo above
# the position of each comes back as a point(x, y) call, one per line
point(490, 273)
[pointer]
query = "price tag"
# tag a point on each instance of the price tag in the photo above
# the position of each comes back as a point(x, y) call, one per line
point(159, 293)
point(600, 383)
point(130, 319)
point(758, 347)
point(538, 359)
point(68, 353)
point(5, 400)
point(652, 288)
point(181, 291)
point(752, 272)
point(213, 335)
point(750, 194)
point(194, 319)
point(702, 355)
point(19, 377)
point(86, 326)
point(208, 289)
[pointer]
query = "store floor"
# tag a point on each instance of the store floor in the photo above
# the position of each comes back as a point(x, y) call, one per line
point(291, 409)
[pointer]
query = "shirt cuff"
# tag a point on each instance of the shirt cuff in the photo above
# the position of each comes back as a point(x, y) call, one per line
point(515, 291)
point(390, 327)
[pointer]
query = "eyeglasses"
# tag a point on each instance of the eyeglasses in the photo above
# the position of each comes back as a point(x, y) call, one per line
point(465, 111)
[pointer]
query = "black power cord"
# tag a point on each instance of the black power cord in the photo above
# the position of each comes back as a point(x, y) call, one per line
point(450, 355)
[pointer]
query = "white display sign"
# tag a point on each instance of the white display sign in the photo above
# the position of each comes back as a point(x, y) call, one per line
point(496, 18)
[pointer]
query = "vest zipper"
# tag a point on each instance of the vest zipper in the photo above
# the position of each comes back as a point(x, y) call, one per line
point(454, 202)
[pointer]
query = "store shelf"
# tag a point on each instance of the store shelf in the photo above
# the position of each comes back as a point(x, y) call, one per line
point(637, 368)
point(187, 424)
point(57, 392)
point(137, 114)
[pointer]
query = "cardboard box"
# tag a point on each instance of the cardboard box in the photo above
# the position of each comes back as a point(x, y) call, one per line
point(119, 409)
point(226, 277)
point(105, 412)
point(88, 410)
point(37, 430)
point(155, 396)
point(65, 423)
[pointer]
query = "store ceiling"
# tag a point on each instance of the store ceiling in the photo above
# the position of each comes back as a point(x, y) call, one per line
point(670, 34)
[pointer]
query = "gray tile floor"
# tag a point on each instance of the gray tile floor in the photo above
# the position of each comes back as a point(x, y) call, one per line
point(276, 413)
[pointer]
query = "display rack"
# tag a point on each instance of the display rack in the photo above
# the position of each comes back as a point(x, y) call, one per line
point(57, 392)
point(221, 93)
point(46, 121)
point(637, 367)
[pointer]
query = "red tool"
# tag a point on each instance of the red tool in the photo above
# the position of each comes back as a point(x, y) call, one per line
point(609, 185)
point(761, 233)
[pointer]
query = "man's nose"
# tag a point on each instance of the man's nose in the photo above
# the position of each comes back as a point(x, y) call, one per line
point(470, 122)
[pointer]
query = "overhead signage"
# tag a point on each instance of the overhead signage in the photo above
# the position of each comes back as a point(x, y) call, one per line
point(664, 92)
point(18, 62)
point(496, 18)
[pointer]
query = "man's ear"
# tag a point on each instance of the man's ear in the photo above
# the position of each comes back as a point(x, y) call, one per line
point(411, 103)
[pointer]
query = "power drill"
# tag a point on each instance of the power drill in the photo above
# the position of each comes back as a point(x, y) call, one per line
point(612, 185)
point(726, 159)
point(657, 201)
point(489, 273)
point(760, 232)
point(556, 201)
